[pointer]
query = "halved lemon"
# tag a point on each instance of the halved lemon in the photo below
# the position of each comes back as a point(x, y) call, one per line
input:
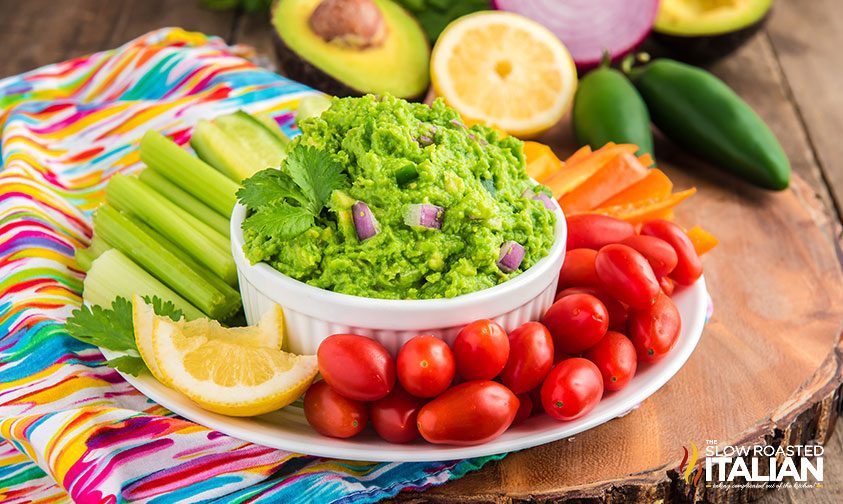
point(504, 70)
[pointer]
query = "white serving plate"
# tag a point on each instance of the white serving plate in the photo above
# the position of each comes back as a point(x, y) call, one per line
point(288, 430)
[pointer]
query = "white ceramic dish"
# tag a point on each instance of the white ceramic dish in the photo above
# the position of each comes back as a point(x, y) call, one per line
point(288, 430)
point(313, 314)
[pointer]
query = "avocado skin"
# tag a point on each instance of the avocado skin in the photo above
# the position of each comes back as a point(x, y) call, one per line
point(301, 70)
point(705, 49)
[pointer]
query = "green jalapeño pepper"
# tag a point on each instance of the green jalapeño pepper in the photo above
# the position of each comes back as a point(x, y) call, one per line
point(700, 112)
point(607, 108)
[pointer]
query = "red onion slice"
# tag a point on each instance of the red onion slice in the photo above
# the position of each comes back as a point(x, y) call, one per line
point(364, 221)
point(538, 196)
point(424, 215)
point(511, 256)
point(588, 27)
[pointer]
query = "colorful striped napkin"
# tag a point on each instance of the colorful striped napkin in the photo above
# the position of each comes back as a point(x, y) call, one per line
point(70, 427)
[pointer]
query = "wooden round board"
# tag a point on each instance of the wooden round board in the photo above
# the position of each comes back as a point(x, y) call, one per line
point(767, 370)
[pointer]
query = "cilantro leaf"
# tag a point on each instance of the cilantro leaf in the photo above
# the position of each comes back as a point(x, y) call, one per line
point(279, 219)
point(164, 308)
point(268, 186)
point(103, 327)
point(127, 364)
point(316, 173)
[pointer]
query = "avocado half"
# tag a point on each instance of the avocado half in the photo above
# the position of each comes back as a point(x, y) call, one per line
point(399, 64)
point(702, 31)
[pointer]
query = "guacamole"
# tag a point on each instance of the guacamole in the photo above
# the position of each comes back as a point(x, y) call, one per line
point(425, 207)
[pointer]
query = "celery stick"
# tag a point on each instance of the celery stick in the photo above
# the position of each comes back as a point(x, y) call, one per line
point(133, 196)
point(184, 200)
point(114, 275)
point(138, 246)
point(84, 258)
point(97, 246)
point(232, 295)
point(188, 172)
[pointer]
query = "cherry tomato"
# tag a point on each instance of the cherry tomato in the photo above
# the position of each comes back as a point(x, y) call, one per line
point(481, 350)
point(525, 408)
point(357, 367)
point(425, 366)
point(578, 269)
point(615, 357)
point(654, 330)
point(470, 413)
point(627, 276)
point(667, 285)
point(530, 357)
point(394, 416)
point(332, 414)
point(689, 267)
point(576, 322)
point(593, 231)
point(616, 310)
point(572, 389)
point(659, 253)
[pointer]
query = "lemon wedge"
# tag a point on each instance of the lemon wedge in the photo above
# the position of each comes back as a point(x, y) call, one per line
point(504, 70)
point(238, 371)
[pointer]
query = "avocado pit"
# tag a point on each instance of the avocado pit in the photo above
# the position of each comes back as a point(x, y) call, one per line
point(355, 24)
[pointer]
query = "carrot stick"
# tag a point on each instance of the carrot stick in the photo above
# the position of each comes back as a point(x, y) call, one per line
point(571, 176)
point(646, 210)
point(580, 154)
point(654, 185)
point(646, 159)
point(613, 177)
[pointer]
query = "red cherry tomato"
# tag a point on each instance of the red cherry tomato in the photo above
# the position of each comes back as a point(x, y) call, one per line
point(593, 231)
point(525, 408)
point(470, 413)
point(394, 416)
point(572, 389)
point(627, 276)
point(331, 414)
point(667, 285)
point(530, 357)
point(616, 310)
point(481, 350)
point(578, 269)
point(659, 253)
point(357, 367)
point(576, 322)
point(655, 329)
point(615, 357)
point(689, 267)
point(425, 366)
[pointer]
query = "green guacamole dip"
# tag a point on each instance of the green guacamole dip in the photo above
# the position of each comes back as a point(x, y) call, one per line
point(397, 154)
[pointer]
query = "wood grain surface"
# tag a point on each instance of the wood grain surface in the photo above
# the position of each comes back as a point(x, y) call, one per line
point(768, 363)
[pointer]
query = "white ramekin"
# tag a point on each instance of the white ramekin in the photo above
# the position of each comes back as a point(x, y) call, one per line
point(312, 314)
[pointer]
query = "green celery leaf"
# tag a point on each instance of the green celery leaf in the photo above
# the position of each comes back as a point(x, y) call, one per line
point(102, 327)
point(279, 220)
point(127, 364)
point(316, 173)
point(269, 186)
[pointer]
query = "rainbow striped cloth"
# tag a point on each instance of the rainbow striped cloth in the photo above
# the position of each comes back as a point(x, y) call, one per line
point(70, 427)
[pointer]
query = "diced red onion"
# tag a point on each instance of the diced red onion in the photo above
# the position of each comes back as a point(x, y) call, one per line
point(458, 123)
point(511, 256)
point(364, 221)
point(424, 215)
point(538, 196)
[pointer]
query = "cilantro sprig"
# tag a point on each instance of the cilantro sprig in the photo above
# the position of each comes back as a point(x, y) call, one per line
point(112, 328)
point(287, 202)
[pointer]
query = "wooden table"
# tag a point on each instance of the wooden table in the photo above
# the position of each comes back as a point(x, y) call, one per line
point(790, 72)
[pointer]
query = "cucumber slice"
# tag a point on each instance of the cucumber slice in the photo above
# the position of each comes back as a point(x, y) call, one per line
point(238, 145)
point(272, 126)
point(253, 136)
point(312, 106)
